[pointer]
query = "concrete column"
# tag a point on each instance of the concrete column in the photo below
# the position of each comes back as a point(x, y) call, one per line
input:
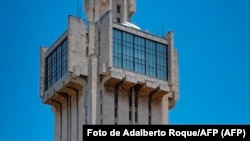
point(142, 109)
point(164, 115)
point(133, 106)
point(64, 122)
point(43, 50)
point(125, 12)
point(81, 114)
point(92, 37)
point(73, 116)
point(172, 69)
point(108, 108)
point(97, 10)
point(92, 90)
point(156, 112)
point(57, 109)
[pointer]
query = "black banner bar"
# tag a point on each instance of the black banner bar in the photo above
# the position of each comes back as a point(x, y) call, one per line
point(182, 132)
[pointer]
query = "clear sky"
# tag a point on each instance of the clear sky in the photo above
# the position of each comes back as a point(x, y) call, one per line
point(212, 37)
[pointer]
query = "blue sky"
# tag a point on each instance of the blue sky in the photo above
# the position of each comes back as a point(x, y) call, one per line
point(212, 37)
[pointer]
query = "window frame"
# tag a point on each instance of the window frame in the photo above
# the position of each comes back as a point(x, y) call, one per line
point(56, 64)
point(152, 57)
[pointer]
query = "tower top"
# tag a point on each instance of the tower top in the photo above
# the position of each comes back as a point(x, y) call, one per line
point(95, 9)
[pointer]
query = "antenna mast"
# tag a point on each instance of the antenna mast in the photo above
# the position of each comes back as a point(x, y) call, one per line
point(78, 9)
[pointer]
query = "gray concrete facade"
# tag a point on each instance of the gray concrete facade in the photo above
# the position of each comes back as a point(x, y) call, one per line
point(93, 90)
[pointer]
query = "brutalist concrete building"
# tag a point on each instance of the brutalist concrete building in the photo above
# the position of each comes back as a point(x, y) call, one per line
point(106, 70)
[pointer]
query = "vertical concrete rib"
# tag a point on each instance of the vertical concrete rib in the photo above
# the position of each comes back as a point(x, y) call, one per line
point(70, 115)
point(130, 105)
point(65, 96)
point(116, 95)
point(77, 112)
point(137, 89)
point(61, 114)
point(116, 104)
point(101, 104)
point(58, 120)
point(125, 11)
point(150, 97)
point(92, 90)
point(81, 112)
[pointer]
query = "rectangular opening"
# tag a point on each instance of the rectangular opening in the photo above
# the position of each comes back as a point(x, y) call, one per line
point(118, 20)
point(101, 109)
point(87, 37)
point(118, 9)
point(87, 51)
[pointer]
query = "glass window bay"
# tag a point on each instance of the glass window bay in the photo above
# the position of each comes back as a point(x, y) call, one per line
point(56, 64)
point(139, 54)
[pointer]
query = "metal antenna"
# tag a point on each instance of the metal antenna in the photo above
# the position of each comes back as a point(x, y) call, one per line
point(78, 9)
point(162, 30)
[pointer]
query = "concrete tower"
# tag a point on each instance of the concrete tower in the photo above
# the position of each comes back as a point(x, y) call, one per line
point(108, 71)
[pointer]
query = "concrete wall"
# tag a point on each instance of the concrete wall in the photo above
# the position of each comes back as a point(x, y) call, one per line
point(77, 58)
point(67, 94)
point(43, 51)
point(92, 90)
point(74, 117)
point(95, 9)
point(160, 111)
point(108, 107)
point(105, 43)
point(173, 76)
point(57, 121)
point(142, 110)
point(82, 114)
point(123, 108)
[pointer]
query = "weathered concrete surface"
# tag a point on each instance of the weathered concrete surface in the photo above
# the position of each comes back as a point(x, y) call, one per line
point(93, 91)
